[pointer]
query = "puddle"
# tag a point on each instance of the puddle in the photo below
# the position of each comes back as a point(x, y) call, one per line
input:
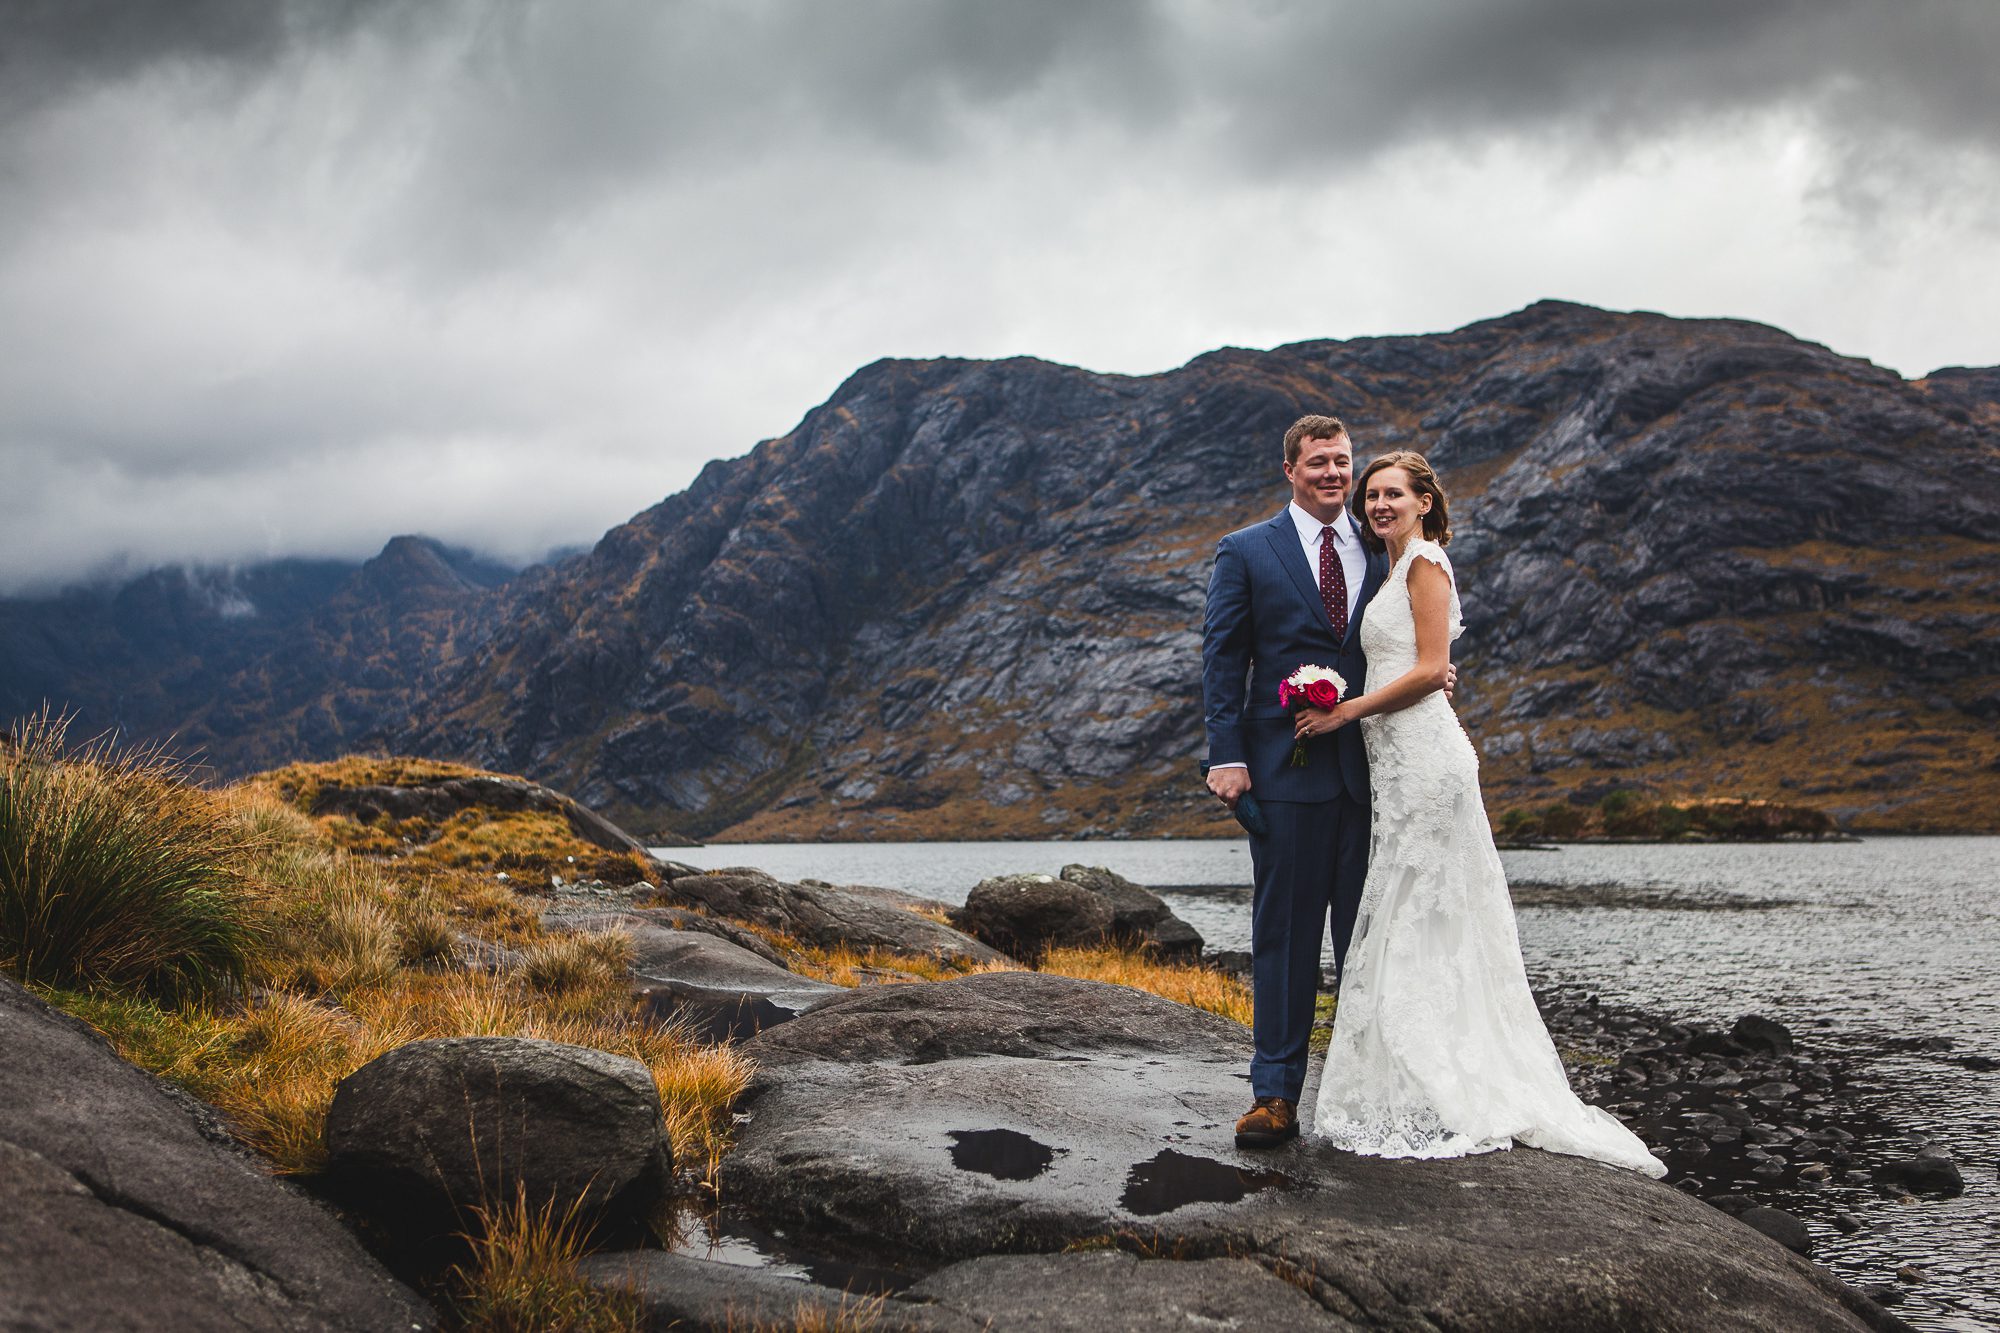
point(1174, 1179)
point(727, 1239)
point(1000, 1153)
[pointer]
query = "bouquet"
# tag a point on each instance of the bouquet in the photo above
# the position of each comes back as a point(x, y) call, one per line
point(1309, 687)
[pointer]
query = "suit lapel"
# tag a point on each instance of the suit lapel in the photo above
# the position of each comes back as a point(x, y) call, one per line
point(1283, 534)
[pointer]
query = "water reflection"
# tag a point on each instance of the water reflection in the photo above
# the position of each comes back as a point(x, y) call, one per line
point(1003, 1154)
point(1173, 1180)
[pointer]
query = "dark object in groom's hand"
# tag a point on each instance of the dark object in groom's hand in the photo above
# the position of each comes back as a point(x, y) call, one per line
point(1248, 813)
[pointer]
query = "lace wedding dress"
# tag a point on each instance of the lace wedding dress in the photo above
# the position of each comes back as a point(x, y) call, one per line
point(1438, 1050)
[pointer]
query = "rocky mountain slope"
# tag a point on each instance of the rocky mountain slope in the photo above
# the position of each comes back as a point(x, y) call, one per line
point(962, 599)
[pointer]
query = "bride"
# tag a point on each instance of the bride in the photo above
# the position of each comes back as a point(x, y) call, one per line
point(1438, 1050)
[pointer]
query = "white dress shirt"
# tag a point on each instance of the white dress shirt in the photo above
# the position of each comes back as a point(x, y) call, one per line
point(1346, 545)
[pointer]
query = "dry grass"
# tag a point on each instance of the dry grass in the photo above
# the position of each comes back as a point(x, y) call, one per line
point(845, 965)
point(533, 844)
point(114, 872)
point(581, 961)
point(359, 956)
point(522, 1276)
point(856, 1314)
point(1184, 983)
point(298, 784)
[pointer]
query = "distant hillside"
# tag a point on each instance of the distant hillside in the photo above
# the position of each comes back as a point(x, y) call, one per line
point(252, 666)
point(962, 599)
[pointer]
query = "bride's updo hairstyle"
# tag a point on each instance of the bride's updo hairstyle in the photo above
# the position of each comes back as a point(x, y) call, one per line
point(1423, 480)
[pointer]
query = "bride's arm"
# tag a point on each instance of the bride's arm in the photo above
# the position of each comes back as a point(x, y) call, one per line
point(1430, 604)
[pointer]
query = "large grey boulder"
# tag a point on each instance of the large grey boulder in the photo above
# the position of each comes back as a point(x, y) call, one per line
point(827, 914)
point(1139, 916)
point(1023, 1112)
point(1028, 915)
point(721, 990)
point(424, 1133)
point(127, 1206)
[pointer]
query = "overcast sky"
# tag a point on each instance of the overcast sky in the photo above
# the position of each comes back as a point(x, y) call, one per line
point(291, 279)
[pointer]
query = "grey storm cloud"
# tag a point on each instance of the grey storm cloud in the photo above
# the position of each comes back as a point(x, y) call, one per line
point(286, 278)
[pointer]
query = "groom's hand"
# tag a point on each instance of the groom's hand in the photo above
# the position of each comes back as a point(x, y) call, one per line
point(1450, 679)
point(1229, 784)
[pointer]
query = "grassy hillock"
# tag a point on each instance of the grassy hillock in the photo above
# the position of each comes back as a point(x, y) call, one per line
point(256, 955)
point(1626, 816)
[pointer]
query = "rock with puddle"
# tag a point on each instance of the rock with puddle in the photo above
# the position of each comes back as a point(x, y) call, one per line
point(1025, 1112)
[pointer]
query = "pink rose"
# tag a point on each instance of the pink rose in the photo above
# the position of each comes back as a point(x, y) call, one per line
point(1285, 693)
point(1321, 693)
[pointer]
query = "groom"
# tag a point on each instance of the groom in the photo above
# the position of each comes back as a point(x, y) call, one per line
point(1287, 593)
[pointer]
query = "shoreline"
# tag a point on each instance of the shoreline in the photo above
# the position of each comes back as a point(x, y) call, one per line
point(1761, 1123)
point(1534, 845)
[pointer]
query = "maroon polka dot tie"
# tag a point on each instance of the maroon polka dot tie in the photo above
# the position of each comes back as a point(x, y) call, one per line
point(1332, 584)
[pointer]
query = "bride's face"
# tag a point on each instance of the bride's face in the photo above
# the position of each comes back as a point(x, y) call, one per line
point(1393, 506)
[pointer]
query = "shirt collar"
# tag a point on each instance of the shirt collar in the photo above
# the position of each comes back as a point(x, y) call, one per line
point(1309, 527)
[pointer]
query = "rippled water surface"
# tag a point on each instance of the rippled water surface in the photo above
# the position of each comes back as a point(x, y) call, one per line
point(1859, 947)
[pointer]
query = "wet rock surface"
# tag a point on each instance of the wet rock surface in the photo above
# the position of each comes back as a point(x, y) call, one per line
point(723, 990)
point(692, 1295)
point(858, 1106)
point(1930, 1171)
point(828, 914)
point(430, 1129)
point(1116, 1292)
point(128, 1206)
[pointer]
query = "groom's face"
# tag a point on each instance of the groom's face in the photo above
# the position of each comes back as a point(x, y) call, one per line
point(1322, 476)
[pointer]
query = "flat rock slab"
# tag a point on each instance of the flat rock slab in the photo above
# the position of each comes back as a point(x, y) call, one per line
point(1016, 1112)
point(1099, 1292)
point(722, 989)
point(128, 1207)
point(1112, 1292)
point(690, 1295)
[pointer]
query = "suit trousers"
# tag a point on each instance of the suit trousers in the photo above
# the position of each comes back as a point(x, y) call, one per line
point(1311, 863)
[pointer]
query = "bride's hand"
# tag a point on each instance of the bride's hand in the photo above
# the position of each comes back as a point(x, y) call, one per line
point(1320, 721)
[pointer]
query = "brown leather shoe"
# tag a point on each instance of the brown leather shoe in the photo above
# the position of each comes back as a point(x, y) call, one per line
point(1270, 1122)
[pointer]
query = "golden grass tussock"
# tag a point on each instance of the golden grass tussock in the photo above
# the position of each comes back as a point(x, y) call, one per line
point(115, 872)
point(577, 960)
point(1184, 983)
point(345, 957)
point(522, 1273)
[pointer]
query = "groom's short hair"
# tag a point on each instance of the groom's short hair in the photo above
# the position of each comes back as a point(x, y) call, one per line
point(1311, 428)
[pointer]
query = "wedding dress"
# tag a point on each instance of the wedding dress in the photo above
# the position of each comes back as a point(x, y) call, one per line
point(1438, 1050)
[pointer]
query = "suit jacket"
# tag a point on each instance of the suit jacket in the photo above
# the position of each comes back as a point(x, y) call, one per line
point(1265, 620)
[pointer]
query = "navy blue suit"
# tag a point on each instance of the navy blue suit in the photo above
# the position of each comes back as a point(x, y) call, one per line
point(1265, 620)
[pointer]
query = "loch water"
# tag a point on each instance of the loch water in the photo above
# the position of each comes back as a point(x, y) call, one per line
point(1883, 952)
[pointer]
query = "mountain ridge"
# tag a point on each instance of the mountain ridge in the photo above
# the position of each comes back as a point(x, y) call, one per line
point(961, 598)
